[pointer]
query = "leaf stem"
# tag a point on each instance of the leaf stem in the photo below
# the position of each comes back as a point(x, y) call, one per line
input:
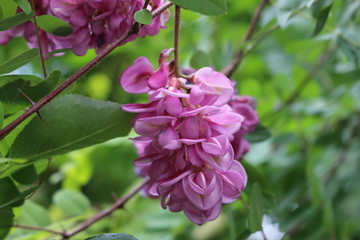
point(41, 55)
point(118, 204)
point(42, 102)
point(176, 40)
point(230, 69)
point(37, 229)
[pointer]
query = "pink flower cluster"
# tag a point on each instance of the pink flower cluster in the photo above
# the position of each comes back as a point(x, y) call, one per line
point(96, 23)
point(191, 132)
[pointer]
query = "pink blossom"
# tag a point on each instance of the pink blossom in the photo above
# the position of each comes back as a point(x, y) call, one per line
point(188, 133)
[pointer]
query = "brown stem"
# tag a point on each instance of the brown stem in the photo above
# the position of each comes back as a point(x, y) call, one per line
point(176, 40)
point(230, 69)
point(41, 103)
point(118, 204)
point(37, 229)
point(42, 60)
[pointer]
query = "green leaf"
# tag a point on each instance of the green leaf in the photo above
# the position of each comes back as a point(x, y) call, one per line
point(25, 175)
point(8, 192)
point(8, 8)
point(34, 214)
point(24, 5)
point(19, 61)
point(13, 21)
point(54, 25)
point(19, 199)
point(1, 115)
point(70, 122)
point(143, 16)
point(321, 20)
point(260, 134)
point(1, 13)
point(207, 7)
point(71, 202)
point(34, 80)
point(256, 208)
point(14, 101)
point(10, 165)
point(6, 216)
point(199, 59)
point(112, 236)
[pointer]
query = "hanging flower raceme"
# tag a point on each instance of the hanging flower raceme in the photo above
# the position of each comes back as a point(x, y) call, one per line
point(95, 23)
point(188, 133)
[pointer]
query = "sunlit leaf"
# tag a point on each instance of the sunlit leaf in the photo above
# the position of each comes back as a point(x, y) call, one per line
point(19, 61)
point(76, 121)
point(207, 7)
point(143, 16)
point(13, 21)
point(8, 8)
point(112, 236)
point(54, 25)
point(71, 202)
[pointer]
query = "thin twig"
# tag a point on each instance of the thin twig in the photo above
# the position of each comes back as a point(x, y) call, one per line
point(41, 103)
point(298, 90)
point(176, 40)
point(42, 60)
point(118, 204)
point(230, 69)
point(36, 228)
point(344, 151)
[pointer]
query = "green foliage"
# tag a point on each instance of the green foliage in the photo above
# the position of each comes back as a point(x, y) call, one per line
point(6, 222)
point(1, 115)
point(260, 134)
point(18, 61)
point(87, 122)
point(256, 208)
point(207, 7)
point(24, 5)
point(143, 16)
point(26, 175)
point(7, 23)
point(71, 202)
point(54, 25)
point(8, 8)
point(112, 236)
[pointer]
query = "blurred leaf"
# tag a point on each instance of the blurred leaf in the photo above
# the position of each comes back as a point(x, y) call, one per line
point(260, 134)
point(26, 175)
point(207, 7)
point(6, 216)
point(1, 13)
point(14, 101)
point(54, 25)
point(8, 191)
point(13, 21)
point(8, 8)
point(76, 121)
point(34, 214)
point(112, 236)
point(321, 20)
point(143, 16)
point(1, 115)
point(256, 208)
point(19, 61)
point(199, 59)
point(24, 5)
point(71, 202)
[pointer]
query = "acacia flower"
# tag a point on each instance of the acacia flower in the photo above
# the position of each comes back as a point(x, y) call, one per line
point(188, 133)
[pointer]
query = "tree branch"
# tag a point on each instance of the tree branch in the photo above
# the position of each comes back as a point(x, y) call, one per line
point(230, 69)
point(42, 102)
point(118, 204)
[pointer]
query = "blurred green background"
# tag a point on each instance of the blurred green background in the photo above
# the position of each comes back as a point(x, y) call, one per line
point(308, 94)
